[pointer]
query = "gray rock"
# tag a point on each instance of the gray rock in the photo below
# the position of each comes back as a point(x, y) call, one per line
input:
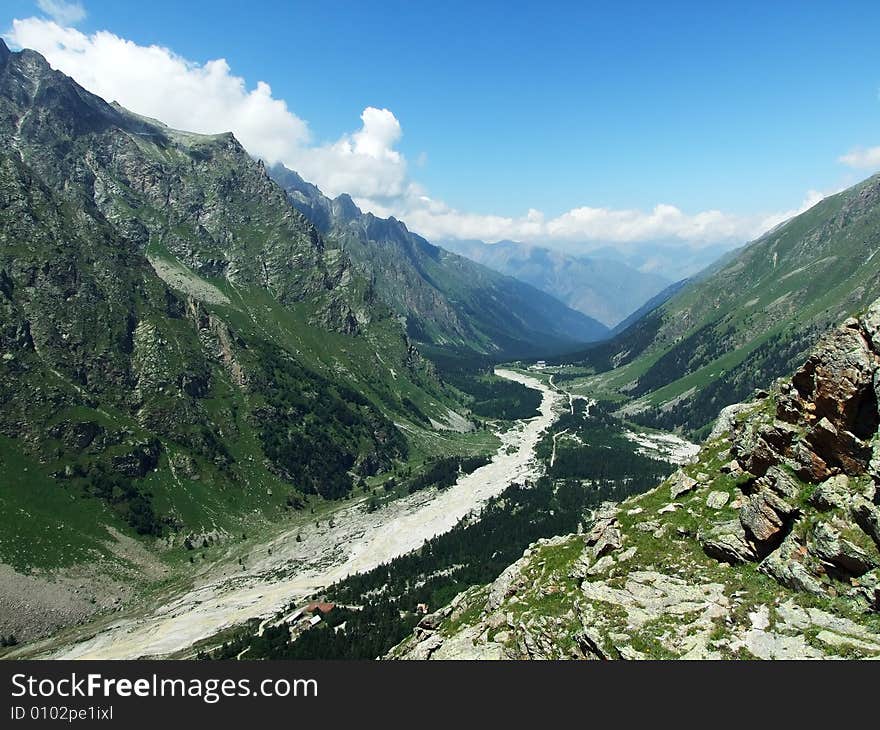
point(785, 566)
point(647, 526)
point(604, 536)
point(610, 540)
point(871, 323)
point(833, 492)
point(732, 467)
point(727, 542)
point(602, 565)
point(780, 482)
point(717, 499)
point(726, 419)
point(680, 483)
point(828, 546)
point(764, 514)
point(867, 516)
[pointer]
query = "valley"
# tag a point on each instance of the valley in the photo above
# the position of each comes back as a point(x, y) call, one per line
point(245, 418)
point(304, 559)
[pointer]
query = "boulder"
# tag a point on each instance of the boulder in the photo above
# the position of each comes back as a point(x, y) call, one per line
point(839, 446)
point(871, 323)
point(827, 545)
point(680, 483)
point(727, 542)
point(838, 378)
point(732, 467)
point(765, 514)
point(866, 516)
point(726, 419)
point(779, 435)
point(874, 464)
point(717, 499)
point(808, 465)
point(868, 588)
point(780, 483)
point(785, 565)
point(761, 457)
point(610, 540)
point(604, 536)
point(831, 493)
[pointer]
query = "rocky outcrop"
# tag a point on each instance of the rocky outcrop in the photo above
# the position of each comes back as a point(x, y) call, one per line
point(827, 414)
point(680, 483)
point(727, 542)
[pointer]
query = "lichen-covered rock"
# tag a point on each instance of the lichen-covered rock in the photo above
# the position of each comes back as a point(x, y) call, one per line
point(786, 565)
point(727, 542)
point(680, 483)
point(832, 493)
point(827, 544)
point(867, 516)
point(765, 514)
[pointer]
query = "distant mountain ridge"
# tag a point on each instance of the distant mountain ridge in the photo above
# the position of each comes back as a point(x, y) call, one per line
point(445, 299)
point(605, 289)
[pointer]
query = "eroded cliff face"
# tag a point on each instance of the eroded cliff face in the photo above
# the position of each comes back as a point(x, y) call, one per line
point(767, 546)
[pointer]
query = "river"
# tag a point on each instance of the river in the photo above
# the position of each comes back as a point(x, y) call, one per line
point(287, 570)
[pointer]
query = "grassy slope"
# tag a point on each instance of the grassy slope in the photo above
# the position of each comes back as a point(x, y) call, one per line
point(755, 316)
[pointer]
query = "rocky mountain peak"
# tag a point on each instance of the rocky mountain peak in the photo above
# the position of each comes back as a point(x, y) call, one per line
point(344, 209)
point(4, 51)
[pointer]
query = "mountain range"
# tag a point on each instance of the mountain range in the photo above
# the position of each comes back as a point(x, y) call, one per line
point(605, 289)
point(445, 300)
point(195, 346)
point(180, 346)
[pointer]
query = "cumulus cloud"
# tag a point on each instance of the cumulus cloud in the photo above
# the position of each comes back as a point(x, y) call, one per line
point(209, 98)
point(155, 81)
point(862, 158)
point(363, 164)
point(64, 13)
point(585, 225)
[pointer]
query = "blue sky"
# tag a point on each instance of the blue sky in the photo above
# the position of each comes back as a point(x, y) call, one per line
point(737, 108)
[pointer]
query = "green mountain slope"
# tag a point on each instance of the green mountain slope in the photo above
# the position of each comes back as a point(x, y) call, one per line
point(445, 299)
point(749, 320)
point(180, 349)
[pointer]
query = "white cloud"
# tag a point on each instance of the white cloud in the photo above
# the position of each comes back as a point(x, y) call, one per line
point(63, 13)
point(363, 164)
point(209, 98)
point(862, 158)
point(155, 81)
point(586, 225)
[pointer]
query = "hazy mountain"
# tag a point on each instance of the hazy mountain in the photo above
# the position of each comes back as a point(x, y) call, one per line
point(604, 289)
point(446, 300)
point(672, 260)
point(649, 306)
